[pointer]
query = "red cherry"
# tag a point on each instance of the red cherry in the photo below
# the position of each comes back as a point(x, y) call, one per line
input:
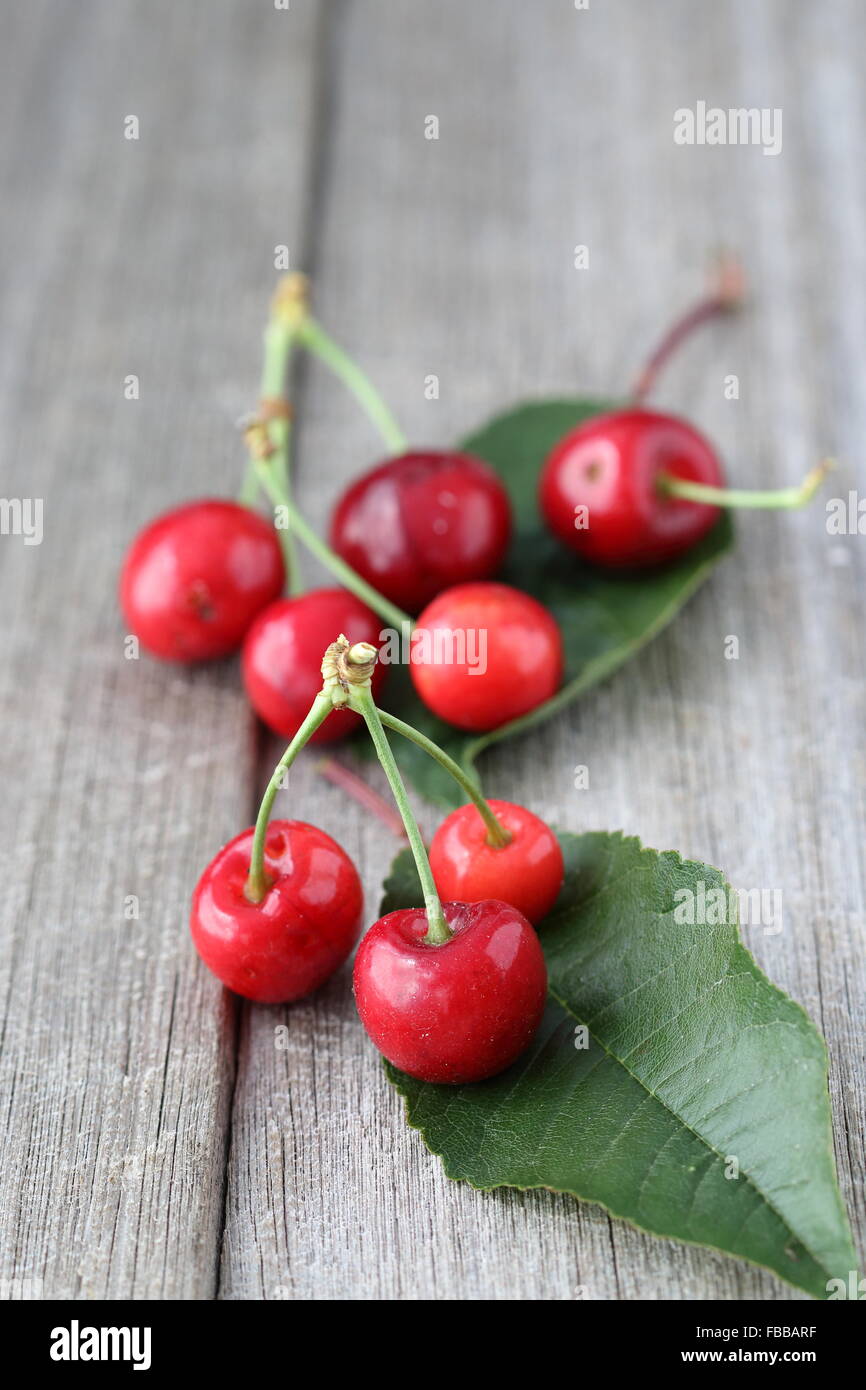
point(194, 579)
point(527, 872)
point(422, 521)
point(305, 926)
point(611, 465)
point(457, 1012)
point(483, 654)
point(282, 658)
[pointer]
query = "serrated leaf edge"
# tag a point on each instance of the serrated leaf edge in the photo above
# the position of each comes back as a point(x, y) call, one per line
point(579, 1197)
point(623, 838)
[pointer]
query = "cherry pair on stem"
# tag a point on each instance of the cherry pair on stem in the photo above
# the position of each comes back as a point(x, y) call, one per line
point(451, 992)
point(207, 576)
point(648, 485)
point(627, 489)
point(422, 521)
point(631, 488)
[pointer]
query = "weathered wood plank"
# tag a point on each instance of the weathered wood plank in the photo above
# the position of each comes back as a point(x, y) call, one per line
point(152, 257)
point(454, 257)
point(451, 257)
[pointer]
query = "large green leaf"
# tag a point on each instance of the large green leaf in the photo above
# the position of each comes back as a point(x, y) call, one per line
point(605, 617)
point(696, 1067)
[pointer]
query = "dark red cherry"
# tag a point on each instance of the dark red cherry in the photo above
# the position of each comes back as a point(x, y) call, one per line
point(600, 488)
point(305, 926)
point(282, 658)
point(485, 653)
point(421, 522)
point(456, 1012)
point(194, 579)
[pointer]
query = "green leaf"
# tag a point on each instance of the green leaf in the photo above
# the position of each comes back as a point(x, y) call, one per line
point(605, 618)
point(694, 1062)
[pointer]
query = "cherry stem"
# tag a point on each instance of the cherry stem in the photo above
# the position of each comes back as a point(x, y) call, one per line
point(361, 700)
point(348, 781)
point(257, 883)
point(273, 434)
point(317, 341)
point(726, 295)
point(387, 611)
point(772, 500)
point(250, 486)
point(497, 835)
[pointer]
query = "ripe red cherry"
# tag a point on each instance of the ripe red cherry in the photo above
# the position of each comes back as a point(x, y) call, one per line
point(483, 654)
point(282, 658)
point(527, 872)
point(285, 946)
point(457, 1012)
point(611, 466)
point(422, 521)
point(194, 579)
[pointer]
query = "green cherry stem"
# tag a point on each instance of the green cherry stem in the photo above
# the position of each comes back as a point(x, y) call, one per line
point(250, 487)
point(265, 460)
point(317, 341)
point(257, 883)
point(387, 611)
point(361, 700)
point(271, 434)
point(775, 499)
point(497, 835)
point(280, 337)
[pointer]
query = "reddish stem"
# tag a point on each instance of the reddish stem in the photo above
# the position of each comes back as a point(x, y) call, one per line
point(727, 294)
point(341, 776)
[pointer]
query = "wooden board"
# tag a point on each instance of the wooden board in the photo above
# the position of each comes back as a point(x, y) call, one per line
point(148, 257)
point(159, 1143)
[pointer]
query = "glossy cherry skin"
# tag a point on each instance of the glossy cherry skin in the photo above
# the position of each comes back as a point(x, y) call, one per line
point(282, 658)
point(194, 579)
point(610, 465)
point(423, 521)
point(527, 872)
point(458, 1012)
point(305, 926)
point(511, 655)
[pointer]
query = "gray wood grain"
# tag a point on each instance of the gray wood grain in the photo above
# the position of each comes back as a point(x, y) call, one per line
point(152, 257)
point(160, 1143)
point(455, 257)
